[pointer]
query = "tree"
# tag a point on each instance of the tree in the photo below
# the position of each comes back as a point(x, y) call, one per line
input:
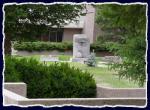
point(130, 20)
point(29, 20)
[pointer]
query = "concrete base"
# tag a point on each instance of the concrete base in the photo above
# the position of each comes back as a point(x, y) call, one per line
point(80, 60)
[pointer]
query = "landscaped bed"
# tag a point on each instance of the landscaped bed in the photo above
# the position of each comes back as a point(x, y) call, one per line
point(102, 75)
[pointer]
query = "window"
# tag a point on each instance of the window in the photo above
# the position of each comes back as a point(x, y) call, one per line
point(55, 35)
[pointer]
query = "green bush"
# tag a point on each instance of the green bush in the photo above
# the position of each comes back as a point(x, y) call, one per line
point(57, 80)
point(63, 46)
point(97, 47)
point(12, 75)
point(40, 46)
point(91, 61)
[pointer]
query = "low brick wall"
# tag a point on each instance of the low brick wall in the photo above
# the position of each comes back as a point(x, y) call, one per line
point(12, 98)
point(14, 93)
point(103, 92)
point(84, 101)
point(54, 52)
point(18, 88)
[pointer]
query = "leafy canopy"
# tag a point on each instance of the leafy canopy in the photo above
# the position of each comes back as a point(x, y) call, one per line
point(28, 20)
point(130, 21)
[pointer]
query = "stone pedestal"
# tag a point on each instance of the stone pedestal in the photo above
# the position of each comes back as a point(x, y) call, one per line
point(81, 48)
point(81, 60)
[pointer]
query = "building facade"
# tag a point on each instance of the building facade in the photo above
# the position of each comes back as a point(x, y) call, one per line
point(86, 25)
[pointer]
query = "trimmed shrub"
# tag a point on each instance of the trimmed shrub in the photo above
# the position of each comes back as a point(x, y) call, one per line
point(40, 46)
point(57, 80)
point(60, 46)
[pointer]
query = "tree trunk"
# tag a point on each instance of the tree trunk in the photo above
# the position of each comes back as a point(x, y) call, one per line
point(7, 45)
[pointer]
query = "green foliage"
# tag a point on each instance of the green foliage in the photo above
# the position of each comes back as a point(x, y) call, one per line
point(64, 57)
point(30, 20)
point(12, 74)
point(27, 22)
point(102, 39)
point(91, 61)
point(53, 81)
point(63, 46)
point(98, 47)
point(106, 22)
point(40, 46)
point(131, 25)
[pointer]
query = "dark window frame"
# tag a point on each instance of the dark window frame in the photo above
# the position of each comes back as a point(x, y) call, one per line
point(58, 35)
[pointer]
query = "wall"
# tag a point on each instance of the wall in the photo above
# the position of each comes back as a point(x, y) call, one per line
point(89, 23)
point(88, 26)
point(68, 34)
point(84, 101)
point(18, 88)
point(85, 26)
point(103, 92)
point(54, 52)
point(105, 96)
point(10, 97)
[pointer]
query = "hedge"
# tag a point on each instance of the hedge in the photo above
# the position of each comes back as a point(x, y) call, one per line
point(57, 80)
point(41, 46)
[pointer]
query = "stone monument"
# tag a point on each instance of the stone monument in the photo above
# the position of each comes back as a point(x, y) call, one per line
point(81, 48)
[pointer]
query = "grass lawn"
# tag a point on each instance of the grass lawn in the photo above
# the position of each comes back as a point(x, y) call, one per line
point(105, 77)
point(37, 57)
point(102, 75)
point(64, 57)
